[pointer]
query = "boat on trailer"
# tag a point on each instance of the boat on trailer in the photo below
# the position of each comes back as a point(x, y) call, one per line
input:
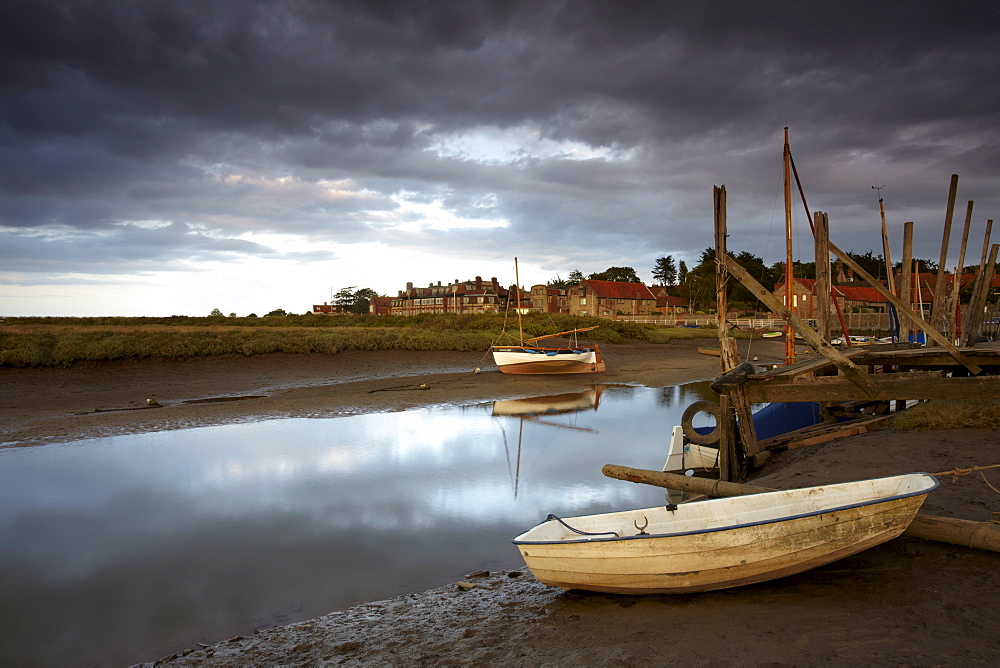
point(721, 543)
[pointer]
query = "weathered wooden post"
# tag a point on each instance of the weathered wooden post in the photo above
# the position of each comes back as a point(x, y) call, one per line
point(938, 317)
point(735, 408)
point(906, 278)
point(976, 315)
point(978, 302)
point(821, 237)
point(955, 302)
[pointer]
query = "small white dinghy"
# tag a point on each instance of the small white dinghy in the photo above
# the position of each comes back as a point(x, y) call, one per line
point(722, 542)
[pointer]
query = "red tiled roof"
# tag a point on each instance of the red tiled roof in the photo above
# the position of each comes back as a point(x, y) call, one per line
point(619, 290)
point(859, 294)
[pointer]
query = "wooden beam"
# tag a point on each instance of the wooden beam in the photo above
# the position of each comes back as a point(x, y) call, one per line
point(851, 370)
point(912, 385)
point(905, 310)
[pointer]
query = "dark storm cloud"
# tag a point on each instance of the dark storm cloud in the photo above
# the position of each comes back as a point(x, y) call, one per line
point(306, 117)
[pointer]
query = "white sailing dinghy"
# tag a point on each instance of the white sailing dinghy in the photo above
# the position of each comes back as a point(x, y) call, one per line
point(722, 542)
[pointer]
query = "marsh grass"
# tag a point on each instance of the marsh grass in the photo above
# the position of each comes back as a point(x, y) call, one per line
point(47, 342)
point(950, 414)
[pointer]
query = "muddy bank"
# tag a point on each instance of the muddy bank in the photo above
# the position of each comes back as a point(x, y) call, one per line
point(40, 406)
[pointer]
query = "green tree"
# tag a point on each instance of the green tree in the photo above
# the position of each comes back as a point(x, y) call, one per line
point(557, 282)
point(619, 274)
point(354, 299)
point(277, 311)
point(698, 285)
point(682, 272)
point(233, 314)
point(215, 311)
point(362, 300)
point(665, 271)
point(873, 264)
point(574, 277)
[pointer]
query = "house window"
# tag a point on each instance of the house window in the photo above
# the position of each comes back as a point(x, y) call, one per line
point(583, 302)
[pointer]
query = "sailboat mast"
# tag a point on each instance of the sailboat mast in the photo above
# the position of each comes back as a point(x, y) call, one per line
point(789, 333)
point(517, 291)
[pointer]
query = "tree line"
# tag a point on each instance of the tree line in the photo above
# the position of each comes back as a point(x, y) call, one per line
point(696, 285)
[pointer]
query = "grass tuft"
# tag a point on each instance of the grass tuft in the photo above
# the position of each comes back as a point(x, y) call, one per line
point(950, 414)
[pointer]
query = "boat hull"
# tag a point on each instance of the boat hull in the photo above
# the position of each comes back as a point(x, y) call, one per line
point(531, 360)
point(724, 542)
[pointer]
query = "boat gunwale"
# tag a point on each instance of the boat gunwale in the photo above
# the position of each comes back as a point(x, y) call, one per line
point(530, 350)
point(785, 518)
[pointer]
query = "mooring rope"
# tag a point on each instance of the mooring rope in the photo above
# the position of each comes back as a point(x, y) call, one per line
point(954, 473)
point(582, 533)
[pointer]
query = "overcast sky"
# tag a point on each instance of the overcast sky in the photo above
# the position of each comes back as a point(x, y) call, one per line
point(163, 157)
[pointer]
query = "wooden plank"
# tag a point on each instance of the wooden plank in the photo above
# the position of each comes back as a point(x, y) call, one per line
point(849, 429)
point(826, 431)
point(849, 368)
point(924, 356)
point(891, 387)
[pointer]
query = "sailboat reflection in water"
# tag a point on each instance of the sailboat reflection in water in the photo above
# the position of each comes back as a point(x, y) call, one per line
point(535, 408)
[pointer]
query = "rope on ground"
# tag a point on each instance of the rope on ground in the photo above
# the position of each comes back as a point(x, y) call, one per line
point(401, 388)
point(954, 473)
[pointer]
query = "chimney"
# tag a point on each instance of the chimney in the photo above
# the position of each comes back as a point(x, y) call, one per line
point(479, 282)
point(409, 285)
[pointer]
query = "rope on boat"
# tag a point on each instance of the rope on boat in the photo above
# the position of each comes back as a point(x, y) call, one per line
point(582, 533)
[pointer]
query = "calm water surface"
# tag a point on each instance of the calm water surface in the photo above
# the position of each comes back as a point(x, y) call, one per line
point(126, 549)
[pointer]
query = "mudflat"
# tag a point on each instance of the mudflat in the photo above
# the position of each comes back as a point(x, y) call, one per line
point(909, 601)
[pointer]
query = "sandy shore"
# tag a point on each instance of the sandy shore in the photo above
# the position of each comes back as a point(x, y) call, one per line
point(908, 602)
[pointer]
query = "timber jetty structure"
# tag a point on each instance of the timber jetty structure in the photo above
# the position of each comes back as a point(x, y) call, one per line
point(857, 386)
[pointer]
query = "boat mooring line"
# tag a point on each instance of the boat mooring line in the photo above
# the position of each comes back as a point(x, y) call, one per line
point(583, 533)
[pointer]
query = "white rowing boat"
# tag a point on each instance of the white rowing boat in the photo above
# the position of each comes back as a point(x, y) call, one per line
point(722, 542)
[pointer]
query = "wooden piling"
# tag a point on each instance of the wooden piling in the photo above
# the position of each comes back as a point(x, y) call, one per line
point(906, 278)
point(976, 314)
point(938, 318)
point(736, 411)
point(955, 301)
point(978, 302)
point(821, 238)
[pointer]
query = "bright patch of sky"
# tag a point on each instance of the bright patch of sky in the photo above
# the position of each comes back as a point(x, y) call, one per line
point(415, 215)
point(510, 146)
